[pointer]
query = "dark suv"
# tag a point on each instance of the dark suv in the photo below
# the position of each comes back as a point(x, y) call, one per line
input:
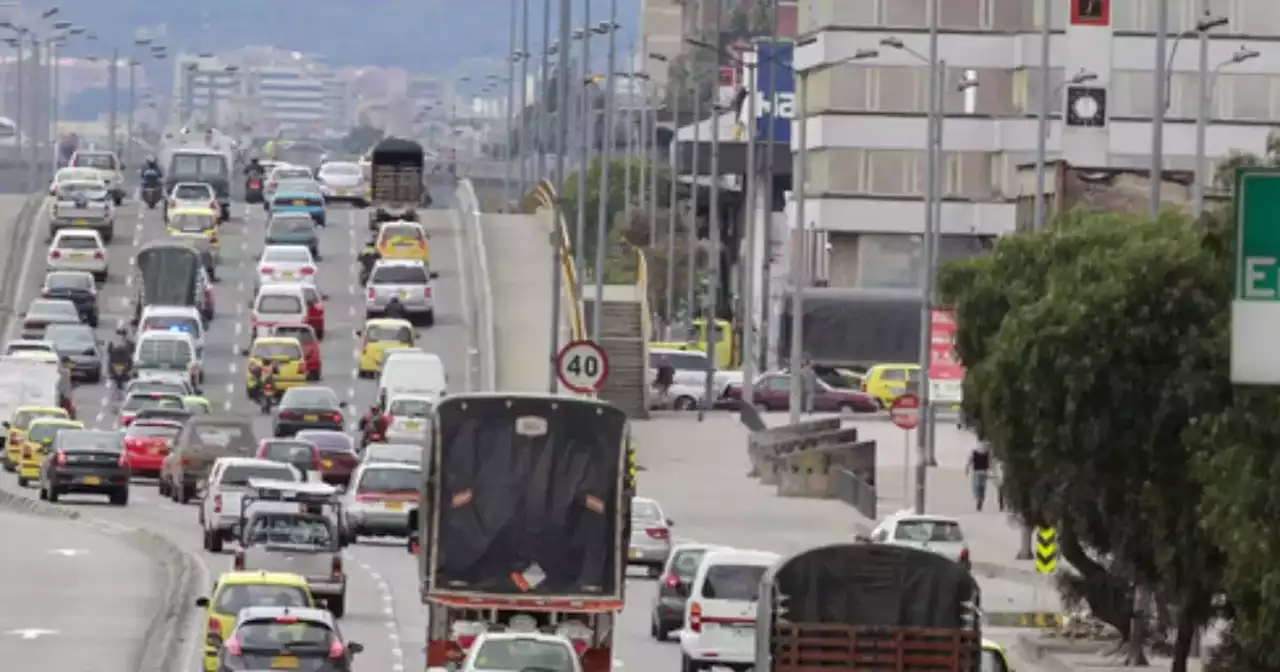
point(83, 461)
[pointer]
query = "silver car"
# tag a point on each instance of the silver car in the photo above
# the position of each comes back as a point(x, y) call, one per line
point(43, 312)
point(285, 263)
point(380, 499)
point(407, 280)
point(195, 195)
point(650, 535)
point(82, 204)
point(342, 181)
point(392, 453)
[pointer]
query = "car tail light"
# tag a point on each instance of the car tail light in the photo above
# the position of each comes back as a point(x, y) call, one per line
point(61, 459)
point(964, 555)
point(695, 617)
point(337, 650)
point(13, 436)
point(864, 386)
point(366, 498)
point(658, 533)
point(238, 563)
point(55, 254)
point(45, 295)
point(672, 581)
point(233, 647)
point(286, 619)
point(302, 367)
point(336, 568)
point(267, 270)
point(99, 255)
point(307, 270)
point(465, 641)
point(426, 292)
point(334, 417)
point(124, 459)
point(371, 293)
point(579, 646)
point(288, 415)
point(186, 461)
point(213, 634)
point(217, 503)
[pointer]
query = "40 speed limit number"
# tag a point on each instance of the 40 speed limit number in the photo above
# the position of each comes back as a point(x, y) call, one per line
point(582, 366)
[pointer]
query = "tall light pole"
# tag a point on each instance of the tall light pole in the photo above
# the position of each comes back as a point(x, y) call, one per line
point(1159, 96)
point(1042, 115)
point(525, 55)
point(606, 158)
point(510, 127)
point(587, 150)
point(1204, 103)
point(562, 145)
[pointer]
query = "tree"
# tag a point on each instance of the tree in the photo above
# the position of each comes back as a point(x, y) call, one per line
point(616, 199)
point(361, 138)
point(1085, 346)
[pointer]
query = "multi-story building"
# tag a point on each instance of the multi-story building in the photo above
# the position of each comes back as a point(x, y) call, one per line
point(291, 98)
point(206, 86)
point(866, 128)
point(666, 23)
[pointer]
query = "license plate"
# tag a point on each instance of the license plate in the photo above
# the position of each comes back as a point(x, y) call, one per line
point(79, 255)
point(284, 663)
point(299, 202)
point(82, 222)
point(411, 425)
point(404, 295)
point(310, 418)
point(633, 554)
point(288, 274)
point(394, 506)
point(327, 464)
point(342, 192)
point(91, 480)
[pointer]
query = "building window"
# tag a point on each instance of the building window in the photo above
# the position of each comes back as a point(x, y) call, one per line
point(906, 13)
point(889, 260)
point(1026, 90)
point(959, 14)
point(892, 172)
point(837, 170)
point(1250, 97)
point(841, 88)
point(900, 88)
point(1011, 16)
point(1132, 93)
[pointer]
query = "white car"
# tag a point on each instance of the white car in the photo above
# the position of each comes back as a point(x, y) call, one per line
point(691, 370)
point(184, 319)
point(108, 166)
point(168, 353)
point(191, 195)
point(679, 397)
point(277, 304)
point(228, 480)
point(82, 204)
point(79, 250)
point(285, 263)
point(927, 532)
point(522, 647)
point(281, 173)
point(28, 345)
point(410, 417)
point(343, 181)
point(73, 174)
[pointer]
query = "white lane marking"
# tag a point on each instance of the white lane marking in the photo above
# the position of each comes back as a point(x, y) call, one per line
point(239, 326)
point(351, 393)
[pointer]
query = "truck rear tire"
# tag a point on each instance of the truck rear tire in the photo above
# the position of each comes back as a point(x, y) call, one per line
point(337, 605)
point(212, 541)
point(687, 664)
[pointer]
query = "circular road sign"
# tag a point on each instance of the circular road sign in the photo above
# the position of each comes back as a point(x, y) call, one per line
point(582, 366)
point(905, 411)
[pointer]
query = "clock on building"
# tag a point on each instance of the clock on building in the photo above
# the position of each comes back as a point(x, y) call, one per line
point(1086, 106)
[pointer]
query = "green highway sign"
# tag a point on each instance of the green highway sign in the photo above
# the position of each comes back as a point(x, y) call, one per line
point(1255, 308)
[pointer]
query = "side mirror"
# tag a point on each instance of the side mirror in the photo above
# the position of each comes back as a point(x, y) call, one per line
point(324, 297)
point(244, 352)
point(202, 602)
point(359, 332)
point(435, 274)
point(342, 404)
point(355, 647)
point(671, 523)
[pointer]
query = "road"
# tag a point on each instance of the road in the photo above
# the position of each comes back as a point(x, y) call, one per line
point(76, 597)
point(381, 578)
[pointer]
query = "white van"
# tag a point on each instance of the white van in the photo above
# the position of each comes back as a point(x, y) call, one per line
point(166, 353)
point(412, 373)
point(185, 319)
point(277, 304)
point(720, 615)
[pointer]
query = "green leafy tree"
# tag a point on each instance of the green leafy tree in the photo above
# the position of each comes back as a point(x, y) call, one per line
point(359, 139)
point(1084, 346)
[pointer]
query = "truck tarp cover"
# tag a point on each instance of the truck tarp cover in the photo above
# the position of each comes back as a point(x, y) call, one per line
point(169, 274)
point(396, 173)
point(525, 512)
point(872, 584)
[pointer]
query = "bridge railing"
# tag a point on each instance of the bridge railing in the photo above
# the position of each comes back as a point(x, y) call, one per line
point(543, 198)
point(482, 372)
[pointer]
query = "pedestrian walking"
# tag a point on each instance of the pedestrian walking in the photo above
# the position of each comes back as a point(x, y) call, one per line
point(808, 384)
point(978, 469)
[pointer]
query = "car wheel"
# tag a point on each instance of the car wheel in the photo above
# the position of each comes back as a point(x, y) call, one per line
point(184, 493)
point(212, 542)
point(337, 605)
point(22, 482)
point(93, 321)
point(685, 403)
point(43, 495)
point(162, 488)
point(846, 408)
point(687, 665)
point(429, 318)
point(120, 497)
point(51, 495)
point(654, 571)
point(762, 407)
point(320, 334)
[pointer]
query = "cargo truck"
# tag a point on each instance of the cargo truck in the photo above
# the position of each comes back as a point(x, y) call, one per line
point(397, 184)
point(523, 522)
point(868, 607)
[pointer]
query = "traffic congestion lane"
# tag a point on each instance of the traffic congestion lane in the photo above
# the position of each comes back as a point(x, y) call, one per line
point(76, 597)
point(366, 620)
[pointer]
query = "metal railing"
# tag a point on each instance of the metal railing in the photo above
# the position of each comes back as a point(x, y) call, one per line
point(543, 197)
point(482, 370)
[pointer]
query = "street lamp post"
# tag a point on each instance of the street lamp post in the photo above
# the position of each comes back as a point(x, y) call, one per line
point(510, 128)
point(1043, 137)
point(606, 158)
point(1208, 21)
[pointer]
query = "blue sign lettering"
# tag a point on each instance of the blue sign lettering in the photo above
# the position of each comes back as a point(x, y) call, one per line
point(776, 91)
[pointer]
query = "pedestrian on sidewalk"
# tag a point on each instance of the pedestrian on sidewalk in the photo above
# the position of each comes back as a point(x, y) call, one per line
point(995, 479)
point(978, 469)
point(808, 384)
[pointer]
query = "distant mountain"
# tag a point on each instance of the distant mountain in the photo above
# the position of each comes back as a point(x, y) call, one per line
point(417, 35)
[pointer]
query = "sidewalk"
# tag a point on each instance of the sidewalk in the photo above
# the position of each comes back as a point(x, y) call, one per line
point(1060, 655)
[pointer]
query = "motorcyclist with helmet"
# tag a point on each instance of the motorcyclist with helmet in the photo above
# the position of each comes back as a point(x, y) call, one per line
point(264, 378)
point(373, 426)
point(395, 309)
point(120, 357)
point(254, 173)
point(368, 257)
point(150, 172)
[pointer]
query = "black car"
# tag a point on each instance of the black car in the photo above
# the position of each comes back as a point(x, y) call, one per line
point(673, 591)
point(308, 408)
point(264, 636)
point(77, 345)
point(79, 288)
point(294, 228)
point(85, 461)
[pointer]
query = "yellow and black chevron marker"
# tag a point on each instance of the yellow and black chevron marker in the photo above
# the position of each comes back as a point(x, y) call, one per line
point(1046, 549)
point(632, 467)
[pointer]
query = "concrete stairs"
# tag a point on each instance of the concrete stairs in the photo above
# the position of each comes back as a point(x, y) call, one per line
point(623, 337)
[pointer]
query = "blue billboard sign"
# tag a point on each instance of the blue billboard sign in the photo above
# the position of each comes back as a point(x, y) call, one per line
point(775, 88)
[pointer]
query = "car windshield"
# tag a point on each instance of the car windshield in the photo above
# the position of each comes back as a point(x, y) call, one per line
point(51, 309)
point(394, 232)
point(522, 653)
point(925, 531)
point(389, 480)
point(411, 408)
point(399, 275)
point(282, 637)
point(76, 242)
point(193, 192)
point(231, 599)
point(192, 223)
point(285, 528)
point(280, 304)
point(304, 334)
point(686, 562)
point(292, 254)
point(644, 509)
point(163, 353)
point(384, 334)
point(282, 174)
point(179, 323)
point(401, 453)
point(69, 281)
point(239, 474)
point(152, 430)
point(13, 348)
point(733, 582)
point(276, 350)
point(292, 225)
point(328, 441)
point(344, 169)
point(151, 386)
point(78, 338)
point(83, 189)
point(101, 161)
point(80, 439)
point(44, 432)
point(202, 165)
point(223, 436)
point(293, 452)
point(309, 397)
point(23, 419)
point(146, 400)
point(198, 406)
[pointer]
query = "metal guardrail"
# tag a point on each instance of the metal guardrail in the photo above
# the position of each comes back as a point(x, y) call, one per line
point(544, 197)
point(482, 372)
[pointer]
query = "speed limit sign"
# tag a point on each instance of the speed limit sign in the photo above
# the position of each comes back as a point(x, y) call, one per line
point(582, 366)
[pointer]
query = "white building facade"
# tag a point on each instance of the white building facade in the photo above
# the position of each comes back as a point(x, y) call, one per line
point(293, 98)
point(866, 128)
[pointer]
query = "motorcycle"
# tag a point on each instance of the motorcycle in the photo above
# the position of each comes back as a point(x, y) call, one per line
point(119, 374)
point(151, 195)
point(267, 398)
point(253, 190)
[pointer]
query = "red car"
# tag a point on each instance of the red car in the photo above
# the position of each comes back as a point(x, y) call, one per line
point(304, 456)
point(306, 335)
point(338, 459)
point(773, 393)
point(315, 309)
point(146, 442)
point(139, 401)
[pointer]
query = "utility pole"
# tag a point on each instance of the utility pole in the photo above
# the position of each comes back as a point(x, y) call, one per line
point(544, 90)
point(1202, 112)
point(21, 116)
point(749, 262)
point(713, 298)
point(509, 132)
point(606, 158)
point(669, 306)
point(936, 76)
point(133, 103)
point(1160, 95)
point(766, 266)
point(524, 98)
point(588, 123)
point(651, 161)
point(799, 249)
point(562, 145)
point(113, 74)
point(629, 128)
point(691, 266)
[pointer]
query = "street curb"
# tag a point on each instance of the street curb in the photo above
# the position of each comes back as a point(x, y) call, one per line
point(1042, 655)
point(162, 644)
point(24, 225)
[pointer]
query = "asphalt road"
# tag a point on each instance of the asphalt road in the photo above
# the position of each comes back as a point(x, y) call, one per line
point(74, 598)
point(380, 575)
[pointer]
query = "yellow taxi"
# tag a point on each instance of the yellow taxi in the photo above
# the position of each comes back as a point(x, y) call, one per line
point(994, 658)
point(886, 382)
point(237, 590)
point(40, 436)
point(16, 430)
point(380, 335)
point(197, 405)
point(194, 222)
point(403, 240)
point(285, 356)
